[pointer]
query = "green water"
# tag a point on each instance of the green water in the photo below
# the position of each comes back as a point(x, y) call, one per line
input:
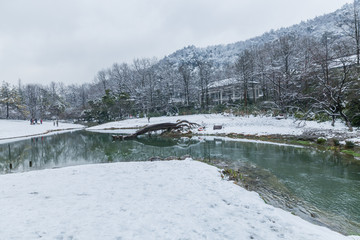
point(325, 181)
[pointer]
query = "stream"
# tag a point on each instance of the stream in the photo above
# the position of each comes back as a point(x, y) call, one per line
point(322, 187)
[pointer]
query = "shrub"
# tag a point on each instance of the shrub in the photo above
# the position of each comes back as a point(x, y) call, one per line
point(322, 117)
point(299, 115)
point(219, 108)
point(349, 144)
point(320, 140)
point(353, 112)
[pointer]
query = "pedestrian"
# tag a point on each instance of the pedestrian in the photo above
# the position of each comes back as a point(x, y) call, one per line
point(54, 123)
point(31, 121)
point(41, 121)
point(57, 122)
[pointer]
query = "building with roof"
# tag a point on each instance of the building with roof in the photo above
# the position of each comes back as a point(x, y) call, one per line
point(231, 90)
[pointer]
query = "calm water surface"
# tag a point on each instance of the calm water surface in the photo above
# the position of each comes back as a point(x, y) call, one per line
point(325, 181)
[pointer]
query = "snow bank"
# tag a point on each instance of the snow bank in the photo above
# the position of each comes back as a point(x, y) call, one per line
point(241, 125)
point(10, 129)
point(141, 200)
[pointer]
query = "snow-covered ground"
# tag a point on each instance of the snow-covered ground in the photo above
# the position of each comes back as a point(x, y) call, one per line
point(242, 125)
point(11, 130)
point(142, 200)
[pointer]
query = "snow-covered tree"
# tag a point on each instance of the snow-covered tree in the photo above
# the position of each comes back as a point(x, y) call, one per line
point(11, 100)
point(244, 68)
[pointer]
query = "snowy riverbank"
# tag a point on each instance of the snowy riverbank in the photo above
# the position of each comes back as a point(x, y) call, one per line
point(248, 125)
point(143, 200)
point(13, 130)
point(138, 200)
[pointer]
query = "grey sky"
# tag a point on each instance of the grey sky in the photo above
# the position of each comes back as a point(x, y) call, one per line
point(70, 40)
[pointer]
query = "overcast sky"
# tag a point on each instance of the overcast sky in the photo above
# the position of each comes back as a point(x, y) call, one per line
point(71, 40)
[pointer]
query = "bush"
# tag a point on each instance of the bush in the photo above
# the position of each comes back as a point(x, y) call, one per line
point(320, 140)
point(299, 115)
point(219, 108)
point(349, 144)
point(353, 112)
point(322, 117)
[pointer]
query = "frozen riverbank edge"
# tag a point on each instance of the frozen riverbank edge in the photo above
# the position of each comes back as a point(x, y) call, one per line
point(15, 130)
point(142, 200)
point(248, 126)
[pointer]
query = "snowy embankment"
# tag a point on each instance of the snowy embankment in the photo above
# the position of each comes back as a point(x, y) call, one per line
point(248, 125)
point(11, 130)
point(143, 200)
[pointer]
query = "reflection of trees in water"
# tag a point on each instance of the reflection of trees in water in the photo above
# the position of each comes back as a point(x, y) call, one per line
point(75, 148)
point(42, 152)
point(87, 147)
point(13, 154)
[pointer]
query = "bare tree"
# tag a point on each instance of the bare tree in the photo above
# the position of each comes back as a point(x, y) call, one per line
point(350, 25)
point(185, 70)
point(205, 72)
point(282, 71)
point(333, 81)
point(146, 82)
point(102, 78)
point(244, 69)
point(31, 93)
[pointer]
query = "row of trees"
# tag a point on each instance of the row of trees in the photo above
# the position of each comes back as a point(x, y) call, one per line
point(297, 72)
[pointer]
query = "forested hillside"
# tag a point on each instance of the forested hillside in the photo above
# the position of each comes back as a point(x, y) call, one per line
point(310, 70)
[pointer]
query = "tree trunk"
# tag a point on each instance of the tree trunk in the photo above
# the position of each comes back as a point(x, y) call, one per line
point(7, 110)
point(157, 127)
point(347, 122)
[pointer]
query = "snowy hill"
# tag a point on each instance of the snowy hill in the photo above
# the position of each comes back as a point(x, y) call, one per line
point(224, 54)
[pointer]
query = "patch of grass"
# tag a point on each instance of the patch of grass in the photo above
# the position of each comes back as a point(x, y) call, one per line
point(333, 148)
point(350, 152)
point(233, 175)
point(300, 142)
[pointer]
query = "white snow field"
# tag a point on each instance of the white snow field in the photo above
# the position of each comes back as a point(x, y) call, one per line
point(142, 200)
point(248, 125)
point(11, 130)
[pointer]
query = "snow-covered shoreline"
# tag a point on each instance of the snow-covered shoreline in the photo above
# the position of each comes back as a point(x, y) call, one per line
point(247, 125)
point(143, 200)
point(15, 130)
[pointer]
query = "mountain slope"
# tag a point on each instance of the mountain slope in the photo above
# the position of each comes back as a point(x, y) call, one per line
point(222, 55)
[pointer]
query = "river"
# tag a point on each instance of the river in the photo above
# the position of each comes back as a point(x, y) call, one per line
point(324, 186)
